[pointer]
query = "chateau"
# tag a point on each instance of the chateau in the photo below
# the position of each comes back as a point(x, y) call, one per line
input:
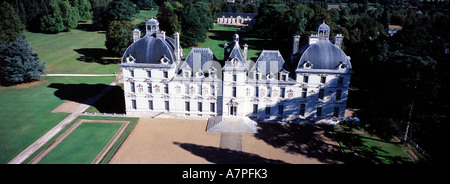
point(159, 80)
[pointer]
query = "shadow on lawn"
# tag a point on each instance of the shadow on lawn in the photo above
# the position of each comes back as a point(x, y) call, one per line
point(226, 156)
point(111, 102)
point(306, 140)
point(366, 153)
point(96, 55)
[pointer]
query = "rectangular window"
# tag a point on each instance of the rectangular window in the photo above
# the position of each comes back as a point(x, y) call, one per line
point(213, 90)
point(304, 90)
point(212, 107)
point(336, 112)
point(199, 91)
point(150, 88)
point(234, 78)
point(165, 74)
point(302, 110)
point(186, 74)
point(257, 76)
point(256, 91)
point(132, 87)
point(166, 105)
point(338, 94)
point(321, 91)
point(340, 81)
point(166, 88)
point(283, 77)
point(255, 108)
point(268, 110)
point(282, 91)
point(200, 107)
point(305, 79)
point(319, 112)
point(234, 91)
point(269, 90)
point(187, 106)
point(131, 73)
point(280, 109)
point(149, 74)
point(186, 89)
point(133, 104)
point(150, 104)
point(323, 79)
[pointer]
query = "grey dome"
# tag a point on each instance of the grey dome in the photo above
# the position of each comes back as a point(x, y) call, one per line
point(150, 49)
point(152, 21)
point(324, 55)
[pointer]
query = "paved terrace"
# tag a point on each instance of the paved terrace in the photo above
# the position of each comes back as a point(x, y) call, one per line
point(176, 141)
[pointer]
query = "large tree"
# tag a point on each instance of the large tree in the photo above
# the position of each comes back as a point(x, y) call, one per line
point(62, 17)
point(119, 37)
point(119, 10)
point(10, 26)
point(168, 17)
point(192, 31)
point(18, 63)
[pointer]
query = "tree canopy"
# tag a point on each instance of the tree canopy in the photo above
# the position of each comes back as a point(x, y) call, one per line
point(10, 25)
point(18, 63)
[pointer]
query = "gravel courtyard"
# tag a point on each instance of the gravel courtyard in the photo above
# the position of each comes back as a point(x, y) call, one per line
point(174, 141)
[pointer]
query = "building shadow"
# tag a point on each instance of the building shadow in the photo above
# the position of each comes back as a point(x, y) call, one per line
point(111, 102)
point(225, 156)
point(307, 140)
point(96, 55)
point(360, 152)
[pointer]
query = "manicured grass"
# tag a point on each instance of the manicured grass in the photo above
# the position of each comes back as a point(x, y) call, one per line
point(75, 51)
point(144, 15)
point(83, 144)
point(221, 34)
point(370, 149)
point(25, 109)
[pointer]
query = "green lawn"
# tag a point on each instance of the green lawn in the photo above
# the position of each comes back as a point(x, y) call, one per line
point(75, 51)
point(83, 144)
point(221, 34)
point(370, 149)
point(25, 109)
point(144, 15)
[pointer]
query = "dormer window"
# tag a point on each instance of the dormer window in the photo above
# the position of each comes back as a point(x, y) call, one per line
point(307, 65)
point(199, 73)
point(257, 76)
point(342, 66)
point(270, 76)
point(164, 60)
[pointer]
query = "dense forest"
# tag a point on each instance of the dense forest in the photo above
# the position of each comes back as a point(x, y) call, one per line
point(398, 82)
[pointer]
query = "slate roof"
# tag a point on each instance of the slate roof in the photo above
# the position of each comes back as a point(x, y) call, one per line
point(324, 55)
point(150, 50)
point(269, 61)
point(199, 58)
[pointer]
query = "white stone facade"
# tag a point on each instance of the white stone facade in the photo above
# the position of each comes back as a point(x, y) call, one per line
point(200, 87)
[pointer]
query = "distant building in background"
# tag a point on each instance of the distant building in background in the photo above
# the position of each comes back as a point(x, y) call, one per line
point(236, 19)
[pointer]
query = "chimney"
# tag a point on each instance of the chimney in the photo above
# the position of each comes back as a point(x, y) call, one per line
point(245, 51)
point(225, 52)
point(136, 35)
point(161, 34)
point(295, 44)
point(338, 40)
point(176, 51)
